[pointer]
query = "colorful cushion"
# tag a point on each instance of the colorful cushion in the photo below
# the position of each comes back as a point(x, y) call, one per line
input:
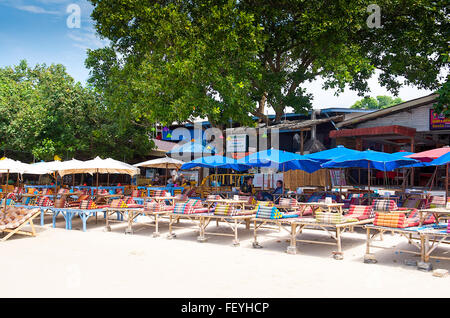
point(290, 202)
point(44, 201)
point(183, 208)
point(448, 226)
point(118, 203)
point(159, 193)
point(360, 212)
point(395, 220)
point(88, 204)
point(268, 212)
point(384, 205)
point(329, 218)
point(14, 217)
point(135, 193)
point(224, 209)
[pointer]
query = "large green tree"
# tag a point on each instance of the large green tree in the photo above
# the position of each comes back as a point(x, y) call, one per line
point(46, 113)
point(177, 60)
point(379, 102)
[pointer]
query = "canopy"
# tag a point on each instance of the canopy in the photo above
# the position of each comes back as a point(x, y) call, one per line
point(216, 162)
point(163, 163)
point(442, 160)
point(403, 153)
point(280, 160)
point(98, 165)
point(430, 155)
point(12, 166)
point(330, 154)
point(370, 159)
point(192, 147)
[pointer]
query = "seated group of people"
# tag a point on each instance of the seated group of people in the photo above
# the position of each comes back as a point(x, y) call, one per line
point(246, 188)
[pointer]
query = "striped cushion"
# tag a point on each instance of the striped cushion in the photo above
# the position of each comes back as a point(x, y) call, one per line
point(63, 190)
point(159, 193)
point(136, 193)
point(44, 201)
point(224, 209)
point(250, 199)
point(129, 200)
point(267, 212)
point(213, 197)
point(195, 203)
point(384, 205)
point(329, 218)
point(118, 203)
point(88, 204)
point(436, 202)
point(8, 202)
point(288, 202)
point(360, 212)
point(183, 208)
point(395, 220)
point(152, 207)
point(448, 226)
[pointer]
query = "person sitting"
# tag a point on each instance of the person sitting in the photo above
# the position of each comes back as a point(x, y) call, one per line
point(246, 187)
point(276, 193)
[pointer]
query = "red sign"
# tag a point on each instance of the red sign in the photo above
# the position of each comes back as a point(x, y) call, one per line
point(438, 121)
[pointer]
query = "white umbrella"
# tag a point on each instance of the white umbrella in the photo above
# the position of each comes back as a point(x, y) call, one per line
point(11, 166)
point(98, 165)
point(162, 163)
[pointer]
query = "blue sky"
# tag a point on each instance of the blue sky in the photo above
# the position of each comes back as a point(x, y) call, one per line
point(36, 30)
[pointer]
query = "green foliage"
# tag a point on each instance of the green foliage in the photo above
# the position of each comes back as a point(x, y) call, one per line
point(442, 105)
point(175, 60)
point(376, 103)
point(44, 112)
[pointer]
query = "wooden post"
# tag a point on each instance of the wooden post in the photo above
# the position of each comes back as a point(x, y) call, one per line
point(301, 142)
point(412, 169)
point(368, 180)
point(446, 183)
point(6, 192)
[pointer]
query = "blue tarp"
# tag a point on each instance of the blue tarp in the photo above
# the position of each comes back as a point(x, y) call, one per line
point(442, 160)
point(330, 154)
point(280, 160)
point(370, 159)
point(215, 162)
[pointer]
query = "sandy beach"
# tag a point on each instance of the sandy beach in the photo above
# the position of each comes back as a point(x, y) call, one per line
point(62, 263)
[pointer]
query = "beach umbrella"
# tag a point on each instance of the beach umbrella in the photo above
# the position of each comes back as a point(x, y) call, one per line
point(8, 166)
point(430, 155)
point(330, 154)
point(369, 159)
point(281, 161)
point(216, 162)
point(443, 160)
point(162, 163)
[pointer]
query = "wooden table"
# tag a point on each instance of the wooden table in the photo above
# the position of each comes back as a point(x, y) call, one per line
point(425, 238)
point(322, 207)
point(437, 213)
point(202, 220)
point(295, 227)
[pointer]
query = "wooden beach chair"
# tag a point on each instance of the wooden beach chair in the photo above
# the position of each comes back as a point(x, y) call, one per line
point(15, 219)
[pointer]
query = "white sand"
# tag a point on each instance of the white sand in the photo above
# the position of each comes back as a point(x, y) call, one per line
point(61, 263)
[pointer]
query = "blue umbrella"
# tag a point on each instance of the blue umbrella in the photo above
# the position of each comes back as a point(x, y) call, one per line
point(443, 160)
point(216, 162)
point(370, 159)
point(280, 160)
point(330, 154)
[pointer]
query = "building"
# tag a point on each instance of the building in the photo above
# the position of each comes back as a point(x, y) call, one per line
point(410, 126)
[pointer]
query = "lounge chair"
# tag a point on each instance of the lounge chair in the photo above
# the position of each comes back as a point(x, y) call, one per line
point(14, 219)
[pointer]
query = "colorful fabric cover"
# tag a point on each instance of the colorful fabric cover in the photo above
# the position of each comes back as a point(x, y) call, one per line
point(136, 193)
point(384, 205)
point(183, 208)
point(8, 202)
point(268, 212)
point(14, 217)
point(250, 199)
point(159, 193)
point(213, 197)
point(436, 202)
point(224, 209)
point(88, 204)
point(360, 212)
point(12, 196)
point(118, 203)
point(289, 202)
point(44, 201)
point(32, 191)
point(63, 190)
point(448, 226)
point(46, 191)
point(329, 218)
point(396, 220)
point(26, 200)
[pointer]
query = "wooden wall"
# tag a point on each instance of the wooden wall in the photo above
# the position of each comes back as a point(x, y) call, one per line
point(298, 178)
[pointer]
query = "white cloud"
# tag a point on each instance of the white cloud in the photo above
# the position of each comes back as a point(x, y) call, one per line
point(36, 9)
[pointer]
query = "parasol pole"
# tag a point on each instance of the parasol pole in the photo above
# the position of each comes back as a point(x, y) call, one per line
point(446, 183)
point(282, 195)
point(166, 174)
point(368, 180)
point(6, 192)
point(97, 182)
